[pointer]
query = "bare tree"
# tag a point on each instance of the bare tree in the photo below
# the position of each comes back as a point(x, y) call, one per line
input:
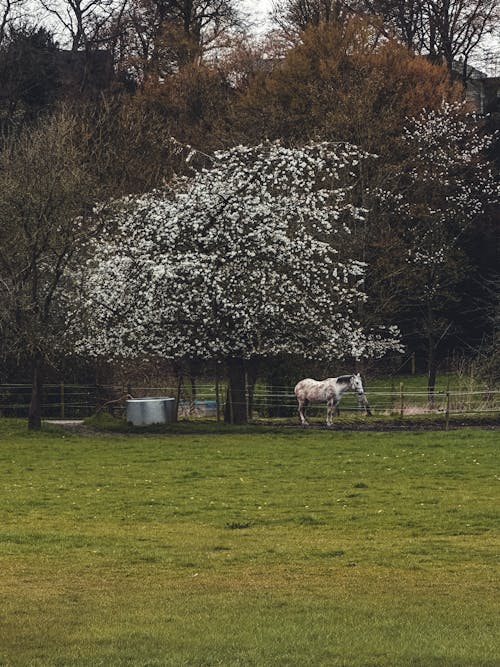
point(296, 15)
point(46, 195)
point(155, 37)
point(11, 12)
point(446, 30)
point(460, 26)
point(202, 20)
point(83, 22)
point(406, 18)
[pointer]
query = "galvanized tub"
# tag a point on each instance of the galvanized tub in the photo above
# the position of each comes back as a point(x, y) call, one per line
point(146, 411)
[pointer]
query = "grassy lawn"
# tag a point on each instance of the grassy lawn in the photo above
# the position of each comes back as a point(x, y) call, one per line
point(287, 548)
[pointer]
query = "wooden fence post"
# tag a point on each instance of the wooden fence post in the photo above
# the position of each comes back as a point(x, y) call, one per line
point(178, 398)
point(401, 400)
point(62, 400)
point(217, 402)
point(447, 411)
point(247, 397)
point(230, 399)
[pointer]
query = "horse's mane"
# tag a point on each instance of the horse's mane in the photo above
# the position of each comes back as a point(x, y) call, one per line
point(344, 379)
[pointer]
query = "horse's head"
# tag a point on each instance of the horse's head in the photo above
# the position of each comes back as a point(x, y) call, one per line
point(356, 384)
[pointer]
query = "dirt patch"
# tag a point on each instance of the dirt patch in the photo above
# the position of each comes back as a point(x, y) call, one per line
point(437, 423)
point(77, 426)
point(405, 424)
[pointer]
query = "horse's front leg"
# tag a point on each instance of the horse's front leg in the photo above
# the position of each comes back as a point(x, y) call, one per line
point(332, 410)
point(363, 403)
point(302, 412)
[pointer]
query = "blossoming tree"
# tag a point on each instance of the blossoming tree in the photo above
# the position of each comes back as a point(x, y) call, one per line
point(247, 259)
point(442, 187)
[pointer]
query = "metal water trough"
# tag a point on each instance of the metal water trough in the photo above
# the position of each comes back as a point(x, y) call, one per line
point(146, 411)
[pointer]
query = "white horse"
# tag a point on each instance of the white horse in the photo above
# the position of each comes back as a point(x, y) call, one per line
point(329, 391)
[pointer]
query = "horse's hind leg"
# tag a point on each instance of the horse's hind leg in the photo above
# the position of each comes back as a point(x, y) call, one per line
point(329, 412)
point(303, 403)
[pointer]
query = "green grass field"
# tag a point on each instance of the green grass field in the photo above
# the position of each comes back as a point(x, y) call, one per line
point(256, 548)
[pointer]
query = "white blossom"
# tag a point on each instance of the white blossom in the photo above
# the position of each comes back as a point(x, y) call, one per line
point(444, 185)
point(244, 259)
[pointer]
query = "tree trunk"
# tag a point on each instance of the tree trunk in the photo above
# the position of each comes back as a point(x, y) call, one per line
point(35, 408)
point(277, 382)
point(236, 412)
point(432, 371)
point(192, 402)
point(251, 379)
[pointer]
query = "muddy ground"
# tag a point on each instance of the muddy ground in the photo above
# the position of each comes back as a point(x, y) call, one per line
point(377, 424)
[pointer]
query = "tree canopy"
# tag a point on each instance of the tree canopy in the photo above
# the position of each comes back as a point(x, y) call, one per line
point(249, 258)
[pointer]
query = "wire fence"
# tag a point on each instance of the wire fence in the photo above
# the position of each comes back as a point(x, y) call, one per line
point(59, 401)
point(210, 401)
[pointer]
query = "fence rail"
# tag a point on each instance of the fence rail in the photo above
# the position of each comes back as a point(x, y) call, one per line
point(70, 401)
